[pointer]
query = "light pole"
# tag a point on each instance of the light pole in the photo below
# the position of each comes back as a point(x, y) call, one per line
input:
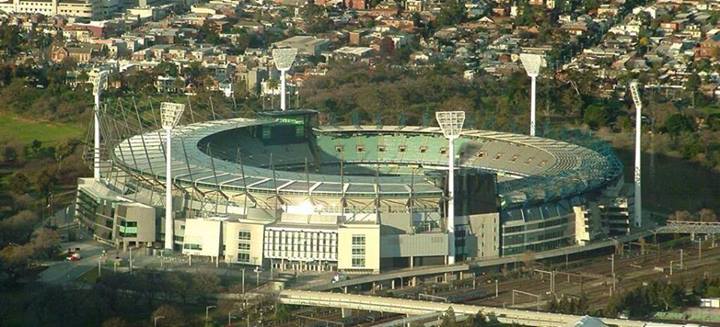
point(283, 59)
point(638, 126)
point(98, 84)
point(207, 312)
point(170, 114)
point(531, 63)
point(155, 320)
point(451, 123)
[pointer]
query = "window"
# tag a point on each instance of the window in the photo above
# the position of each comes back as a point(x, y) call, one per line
point(381, 148)
point(423, 149)
point(443, 151)
point(402, 148)
point(244, 246)
point(339, 148)
point(243, 257)
point(360, 148)
point(358, 262)
point(358, 251)
point(128, 228)
point(266, 133)
point(190, 246)
point(244, 236)
point(358, 240)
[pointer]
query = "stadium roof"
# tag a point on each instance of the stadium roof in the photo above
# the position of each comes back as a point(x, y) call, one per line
point(529, 168)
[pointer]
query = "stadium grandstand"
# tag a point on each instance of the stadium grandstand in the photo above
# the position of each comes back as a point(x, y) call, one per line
point(281, 190)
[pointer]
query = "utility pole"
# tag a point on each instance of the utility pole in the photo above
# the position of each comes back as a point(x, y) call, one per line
point(682, 267)
point(243, 281)
point(131, 265)
point(638, 126)
point(612, 267)
point(700, 250)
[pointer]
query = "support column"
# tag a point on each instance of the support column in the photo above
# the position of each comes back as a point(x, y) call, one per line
point(96, 128)
point(283, 106)
point(532, 104)
point(346, 313)
point(169, 223)
point(451, 202)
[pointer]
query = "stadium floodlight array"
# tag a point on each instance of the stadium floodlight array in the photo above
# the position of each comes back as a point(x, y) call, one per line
point(99, 83)
point(638, 125)
point(170, 114)
point(283, 59)
point(532, 63)
point(451, 123)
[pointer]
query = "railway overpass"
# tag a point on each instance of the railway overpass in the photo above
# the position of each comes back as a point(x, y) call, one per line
point(689, 227)
point(419, 308)
point(409, 274)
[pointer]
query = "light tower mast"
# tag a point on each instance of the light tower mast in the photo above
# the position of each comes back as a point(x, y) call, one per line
point(99, 83)
point(451, 123)
point(170, 114)
point(283, 59)
point(532, 63)
point(638, 126)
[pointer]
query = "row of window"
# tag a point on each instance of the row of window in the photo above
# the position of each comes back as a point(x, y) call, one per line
point(383, 148)
point(534, 226)
point(244, 238)
point(191, 246)
point(358, 251)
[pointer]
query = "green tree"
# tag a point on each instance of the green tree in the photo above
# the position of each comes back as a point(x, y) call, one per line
point(166, 68)
point(452, 13)
point(676, 124)
point(315, 18)
point(707, 215)
point(19, 183)
point(596, 116)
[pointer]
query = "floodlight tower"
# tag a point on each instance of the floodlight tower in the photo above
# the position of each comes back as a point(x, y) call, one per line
point(531, 63)
point(283, 59)
point(98, 84)
point(451, 123)
point(638, 125)
point(170, 114)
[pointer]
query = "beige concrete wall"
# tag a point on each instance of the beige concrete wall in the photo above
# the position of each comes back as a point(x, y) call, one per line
point(231, 230)
point(406, 245)
point(206, 233)
point(143, 215)
point(397, 222)
point(372, 246)
point(485, 229)
point(588, 224)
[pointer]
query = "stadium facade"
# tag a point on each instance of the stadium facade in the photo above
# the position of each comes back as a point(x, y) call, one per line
point(280, 190)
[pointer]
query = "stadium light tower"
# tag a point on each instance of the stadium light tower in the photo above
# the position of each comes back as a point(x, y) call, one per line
point(451, 123)
point(283, 59)
point(531, 63)
point(99, 83)
point(638, 125)
point(170, 114)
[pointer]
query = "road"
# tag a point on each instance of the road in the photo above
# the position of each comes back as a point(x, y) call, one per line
point(60, 272)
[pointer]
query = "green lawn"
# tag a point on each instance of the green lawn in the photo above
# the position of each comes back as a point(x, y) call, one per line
point(24, 130)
